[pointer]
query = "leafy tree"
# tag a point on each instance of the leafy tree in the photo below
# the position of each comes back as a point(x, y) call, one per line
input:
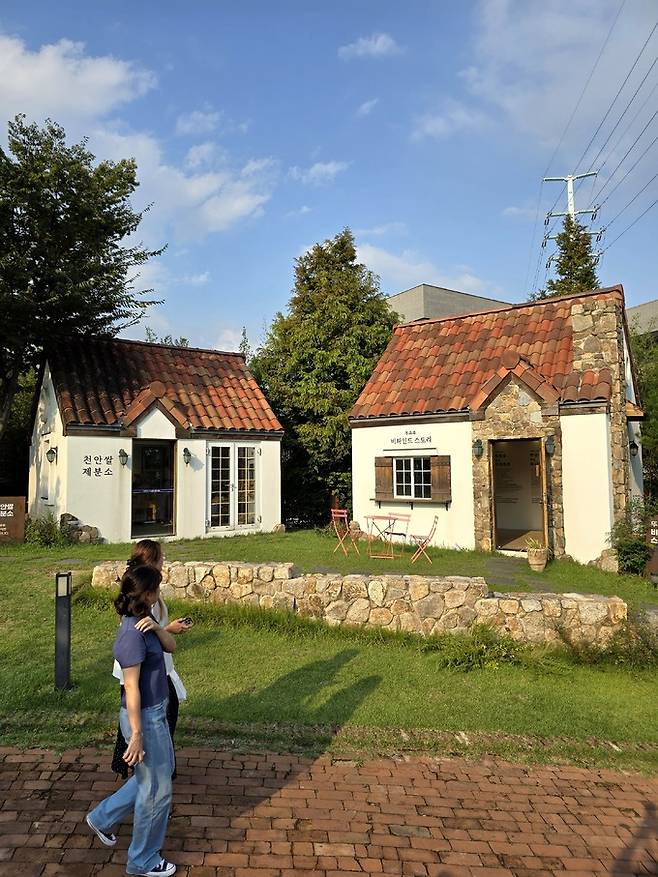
point(152, 338)
point(313, 365)
point(245, 347)
point(66, 268)
point(576, 264)
point(15, 442)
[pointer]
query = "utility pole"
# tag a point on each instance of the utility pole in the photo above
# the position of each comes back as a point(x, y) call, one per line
point(571, 209)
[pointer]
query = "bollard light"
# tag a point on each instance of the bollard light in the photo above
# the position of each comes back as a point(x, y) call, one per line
point(63, 630)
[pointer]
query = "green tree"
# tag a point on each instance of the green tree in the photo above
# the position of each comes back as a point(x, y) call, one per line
point(576, 264)
point(66, 268)
point(245, 347)
point(152, 337)
point(314, 363)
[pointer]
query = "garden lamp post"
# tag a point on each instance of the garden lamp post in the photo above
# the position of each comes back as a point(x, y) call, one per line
point(63, 631)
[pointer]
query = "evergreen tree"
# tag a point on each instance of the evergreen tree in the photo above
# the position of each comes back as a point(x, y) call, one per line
point(645, 354)
point(576, 264)
point(314, 363)
point(245, 346)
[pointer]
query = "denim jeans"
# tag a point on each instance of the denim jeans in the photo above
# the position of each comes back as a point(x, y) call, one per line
point(146, 795)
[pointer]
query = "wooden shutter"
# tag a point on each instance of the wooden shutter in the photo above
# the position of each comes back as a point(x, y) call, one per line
point(383, 478)
point(441, 491)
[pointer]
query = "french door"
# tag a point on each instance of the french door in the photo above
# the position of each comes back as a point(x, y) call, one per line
point(232, 486)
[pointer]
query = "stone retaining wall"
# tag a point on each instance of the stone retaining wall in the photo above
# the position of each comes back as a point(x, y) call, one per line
point(420, 604)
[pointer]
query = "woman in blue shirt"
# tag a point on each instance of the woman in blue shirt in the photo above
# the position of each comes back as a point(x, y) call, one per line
point(139, 648)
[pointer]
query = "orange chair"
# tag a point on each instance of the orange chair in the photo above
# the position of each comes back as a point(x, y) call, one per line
point(423, 541)
point(341, 524)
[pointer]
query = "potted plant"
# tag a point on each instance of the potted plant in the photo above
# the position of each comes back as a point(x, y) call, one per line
point(537, 554)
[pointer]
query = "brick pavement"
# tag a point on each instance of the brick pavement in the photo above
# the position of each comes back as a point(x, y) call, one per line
point(267, 815)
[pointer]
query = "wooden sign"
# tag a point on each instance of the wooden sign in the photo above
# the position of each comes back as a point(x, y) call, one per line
point(12, 518)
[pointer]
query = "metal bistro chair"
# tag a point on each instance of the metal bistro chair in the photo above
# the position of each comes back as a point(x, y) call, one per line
point(422, 542)
point(341, 524)
point(399, 527)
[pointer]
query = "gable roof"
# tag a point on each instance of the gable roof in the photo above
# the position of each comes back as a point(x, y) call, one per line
point(454, 364)
point(107, 382)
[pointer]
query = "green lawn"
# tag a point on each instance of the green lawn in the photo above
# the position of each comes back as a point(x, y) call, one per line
point(284, 688)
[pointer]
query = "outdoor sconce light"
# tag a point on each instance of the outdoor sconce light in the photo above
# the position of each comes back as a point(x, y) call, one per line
point(51, 455)
point(633, 448)
point(478, 448)
point(63, 630)
point(187, 456)
point(550, 445)
point(123, 457)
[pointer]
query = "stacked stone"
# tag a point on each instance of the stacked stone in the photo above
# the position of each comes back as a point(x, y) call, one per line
point(77, 532)
point(419, 604)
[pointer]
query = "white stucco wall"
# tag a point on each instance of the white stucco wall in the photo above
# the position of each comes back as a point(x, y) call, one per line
point(47, 483)
point(456, 526)
point(103, 498)
point(586, 484)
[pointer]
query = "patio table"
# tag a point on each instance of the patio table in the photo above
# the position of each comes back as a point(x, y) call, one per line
point(383, 528)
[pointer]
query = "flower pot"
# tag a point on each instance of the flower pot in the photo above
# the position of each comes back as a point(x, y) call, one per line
point(537, 558)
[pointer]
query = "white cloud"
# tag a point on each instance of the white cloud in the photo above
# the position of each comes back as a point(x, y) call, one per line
point(195, 279)
point(229, 338)
point(453, 118)
point(190, 204)
point(201, 154)
point(60, 81)
point(367, 107)
point(520, 212)
point(300, 211)
point(379, 45)
point(409, 268)
point(197, 122)
point(320, 173)
point(380, 230)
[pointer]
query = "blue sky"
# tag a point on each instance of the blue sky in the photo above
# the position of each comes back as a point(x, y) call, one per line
point(260, 128)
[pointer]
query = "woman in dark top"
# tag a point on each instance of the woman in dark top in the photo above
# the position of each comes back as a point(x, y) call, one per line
point(139, 648)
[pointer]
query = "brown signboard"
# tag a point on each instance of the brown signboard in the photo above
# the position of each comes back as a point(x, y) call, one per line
point(12, 518)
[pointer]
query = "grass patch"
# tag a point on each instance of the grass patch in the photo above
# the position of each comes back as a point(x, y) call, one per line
point(275, 680)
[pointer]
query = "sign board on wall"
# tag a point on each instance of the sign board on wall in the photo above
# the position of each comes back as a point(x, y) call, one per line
point(12, 518)
point(651, 569)
point(411, 438)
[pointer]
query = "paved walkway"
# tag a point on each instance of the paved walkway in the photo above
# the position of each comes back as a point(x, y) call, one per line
point(264, 815)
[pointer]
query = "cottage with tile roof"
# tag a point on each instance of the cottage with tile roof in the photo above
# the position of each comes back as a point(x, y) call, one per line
point(152, 440)
point(508, 424)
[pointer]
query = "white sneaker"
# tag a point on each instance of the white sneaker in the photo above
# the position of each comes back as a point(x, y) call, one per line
point(164, 869)
point(109, 840)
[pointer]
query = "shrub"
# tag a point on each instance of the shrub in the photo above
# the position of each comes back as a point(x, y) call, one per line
point(481, 648)
point(45, 532)
point(628, 537)
point(633, 646)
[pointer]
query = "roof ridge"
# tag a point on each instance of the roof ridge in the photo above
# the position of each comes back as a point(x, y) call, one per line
point(160, 344)
point(424, 321)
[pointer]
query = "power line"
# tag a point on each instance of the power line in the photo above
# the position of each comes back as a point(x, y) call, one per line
point(628, 227)
point(633, 166)
point(630, 124)
point(614, 100)
point(634, 198)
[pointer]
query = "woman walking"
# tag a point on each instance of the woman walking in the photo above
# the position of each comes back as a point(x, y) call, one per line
point(148, 552)
point(139, 647)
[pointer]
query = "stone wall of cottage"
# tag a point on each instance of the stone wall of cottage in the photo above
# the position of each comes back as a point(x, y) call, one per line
point(424, 605)
point(515, 413)
point(598, 340)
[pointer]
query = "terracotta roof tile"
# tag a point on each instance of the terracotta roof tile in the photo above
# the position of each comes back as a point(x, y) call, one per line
point(450, 364)
point(102, 381)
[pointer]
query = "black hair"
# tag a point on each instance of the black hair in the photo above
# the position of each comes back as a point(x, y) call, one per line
point(136, 582)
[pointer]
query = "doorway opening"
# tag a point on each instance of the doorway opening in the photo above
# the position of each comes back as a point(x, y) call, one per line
point(152, 489)
point(519, 490)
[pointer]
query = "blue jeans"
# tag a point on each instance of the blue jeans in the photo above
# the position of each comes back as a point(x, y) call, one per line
point(146, 795)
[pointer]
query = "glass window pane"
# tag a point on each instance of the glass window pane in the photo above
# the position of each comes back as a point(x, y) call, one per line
point(403, 476)
point(422, 478)
point(246, 486)
point(220, 487)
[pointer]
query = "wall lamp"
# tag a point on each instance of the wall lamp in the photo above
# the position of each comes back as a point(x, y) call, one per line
point(123, 457)
point(633, 448)
point(51, 455)
point(187, 456)
point(550, 445)
point(478, 448)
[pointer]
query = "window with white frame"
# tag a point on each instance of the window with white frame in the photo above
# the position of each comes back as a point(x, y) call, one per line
point(412, 477)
